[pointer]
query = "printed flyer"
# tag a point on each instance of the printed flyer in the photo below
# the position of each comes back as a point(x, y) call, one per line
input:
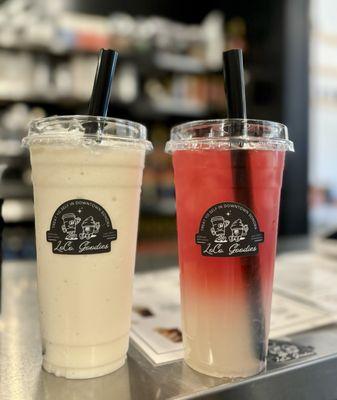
point(304, 298)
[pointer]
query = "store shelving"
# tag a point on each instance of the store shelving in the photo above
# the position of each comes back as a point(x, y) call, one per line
point(167, 64)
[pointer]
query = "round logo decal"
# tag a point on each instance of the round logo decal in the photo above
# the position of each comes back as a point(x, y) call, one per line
point(229, 230)
point(81, 226)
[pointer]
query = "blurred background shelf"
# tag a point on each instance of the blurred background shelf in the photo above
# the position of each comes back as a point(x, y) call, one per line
point(145, 108)
point(16, 191)
point(170, 107)
point(169, 71)
point(161, 61)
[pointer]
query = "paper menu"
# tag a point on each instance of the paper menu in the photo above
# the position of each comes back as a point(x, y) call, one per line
point(157, 293)
point(291, 316)
point(308, 276)
point(156, 325)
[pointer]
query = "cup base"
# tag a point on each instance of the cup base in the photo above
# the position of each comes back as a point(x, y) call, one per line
point(212, 371)
point(83, 373)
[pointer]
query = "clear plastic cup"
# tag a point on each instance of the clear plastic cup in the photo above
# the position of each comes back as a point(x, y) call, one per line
point(87, 175)
point(228, 177)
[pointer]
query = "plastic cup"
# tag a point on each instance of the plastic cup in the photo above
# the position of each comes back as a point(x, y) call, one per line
point(87, 174)
point(228, 177)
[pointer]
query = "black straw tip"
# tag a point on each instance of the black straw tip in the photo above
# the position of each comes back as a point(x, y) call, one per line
point(100, 97)
point(234, 83)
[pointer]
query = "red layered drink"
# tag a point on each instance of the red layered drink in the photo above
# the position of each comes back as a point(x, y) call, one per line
point(228, 177)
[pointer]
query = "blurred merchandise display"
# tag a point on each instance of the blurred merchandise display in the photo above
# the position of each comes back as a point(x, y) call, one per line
point(14, 163)
point(158, 189)
point(189, 94)
point(168, 71)
point(48, 55)
point(37, 24)
point(33, 78)
point(18, 243)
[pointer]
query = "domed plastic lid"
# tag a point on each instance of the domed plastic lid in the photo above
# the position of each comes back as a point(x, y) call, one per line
point(244, 134)
point(87, 130)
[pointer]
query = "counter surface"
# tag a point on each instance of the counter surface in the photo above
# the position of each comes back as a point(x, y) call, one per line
point(21, 376)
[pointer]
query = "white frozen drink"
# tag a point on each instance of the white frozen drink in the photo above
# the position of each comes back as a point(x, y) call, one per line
point(86, 198)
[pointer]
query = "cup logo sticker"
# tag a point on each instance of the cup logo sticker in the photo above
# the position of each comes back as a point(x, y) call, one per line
point(229, 230)
point(81, 226)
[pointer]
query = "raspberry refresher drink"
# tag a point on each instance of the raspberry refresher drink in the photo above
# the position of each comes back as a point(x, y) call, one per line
point(227, 195)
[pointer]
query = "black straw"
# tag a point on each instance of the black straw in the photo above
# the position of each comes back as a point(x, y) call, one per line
point(241, 170)
point(235, 83)
point(100, 97)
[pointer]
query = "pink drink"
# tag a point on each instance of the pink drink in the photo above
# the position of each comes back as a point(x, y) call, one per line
point(227, 217)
